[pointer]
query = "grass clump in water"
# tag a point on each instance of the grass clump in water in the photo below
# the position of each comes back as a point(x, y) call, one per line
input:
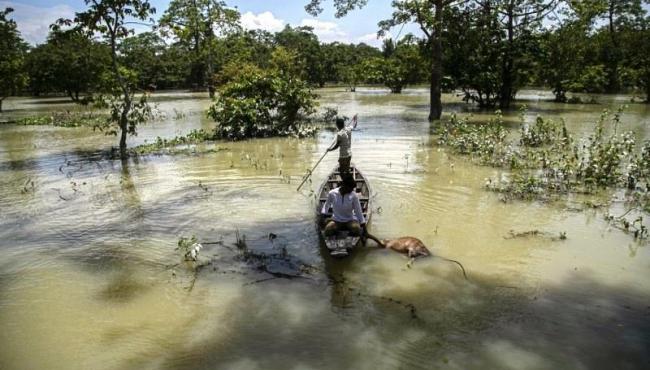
point(64, 119)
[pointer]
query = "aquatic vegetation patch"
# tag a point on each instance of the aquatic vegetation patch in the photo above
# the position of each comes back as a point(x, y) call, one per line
point(65, 119)
point(547, 164)
point(547, 160)
point(174, 145)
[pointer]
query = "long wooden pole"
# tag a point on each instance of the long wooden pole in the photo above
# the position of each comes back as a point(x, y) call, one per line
point(311, 171)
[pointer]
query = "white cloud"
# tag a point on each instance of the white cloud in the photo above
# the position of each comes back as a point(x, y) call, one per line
point(326, 31)
point(34, 22)
point(263, 21)
point(371, 39)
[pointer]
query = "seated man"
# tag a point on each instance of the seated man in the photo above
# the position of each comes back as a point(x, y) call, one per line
point(348, 214)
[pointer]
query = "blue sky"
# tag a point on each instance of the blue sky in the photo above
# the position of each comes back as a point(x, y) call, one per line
point(35, 16)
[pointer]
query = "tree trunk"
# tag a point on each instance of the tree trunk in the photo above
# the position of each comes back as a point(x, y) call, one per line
point(123, 141)
point(72, 96)
point(124, 125)
point(505, 97)
point(612, 53)
point(560, 94)
point(1, 99)
point(435, 109)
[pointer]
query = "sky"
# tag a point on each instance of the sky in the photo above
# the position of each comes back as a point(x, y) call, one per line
point(35, 16)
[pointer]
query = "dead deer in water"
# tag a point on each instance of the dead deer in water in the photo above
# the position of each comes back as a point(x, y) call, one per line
point(412, 247)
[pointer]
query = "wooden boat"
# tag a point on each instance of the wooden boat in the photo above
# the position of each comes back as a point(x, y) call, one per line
point(342, 244)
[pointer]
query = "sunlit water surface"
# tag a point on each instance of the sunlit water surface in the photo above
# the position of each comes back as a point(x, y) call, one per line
point(90, 278)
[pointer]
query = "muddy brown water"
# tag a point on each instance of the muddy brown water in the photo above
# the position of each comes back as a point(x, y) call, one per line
point(89, 276)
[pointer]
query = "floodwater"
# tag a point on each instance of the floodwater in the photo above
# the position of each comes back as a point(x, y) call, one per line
point(90, 278)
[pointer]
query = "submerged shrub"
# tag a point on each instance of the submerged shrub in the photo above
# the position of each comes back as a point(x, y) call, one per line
point(547, 160)
point(262, 103)
point(543, 132)
point(485, 142)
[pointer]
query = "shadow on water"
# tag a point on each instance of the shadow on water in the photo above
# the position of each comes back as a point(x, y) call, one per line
point(289, 323)
point(51, 101)
point(580, 324)
point(51, 159)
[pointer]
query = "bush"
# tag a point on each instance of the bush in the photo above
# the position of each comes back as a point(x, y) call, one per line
point(263, 103)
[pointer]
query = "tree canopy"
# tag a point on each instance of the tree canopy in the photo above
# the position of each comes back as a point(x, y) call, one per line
point(12, 57)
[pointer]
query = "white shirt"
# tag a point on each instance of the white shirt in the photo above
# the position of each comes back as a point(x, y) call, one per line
point(346, 208)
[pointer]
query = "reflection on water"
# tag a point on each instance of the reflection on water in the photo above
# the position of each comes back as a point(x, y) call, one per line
point(90, 278)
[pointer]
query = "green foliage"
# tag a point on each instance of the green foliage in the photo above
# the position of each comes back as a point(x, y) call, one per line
point(12, 57)
point(262, 103)
point(167, 146)
point(127, 113)
point(591, 79)
point(485, 143)
point(562, 58)
point(543, 132)
point(196, 25)
point(602, 160)
point(110, 18)
point(548, 161)
point(65, 119)
point(70, 62)
point(142, 54)
point(307, 50)
point(474, 57)
point(185, 245)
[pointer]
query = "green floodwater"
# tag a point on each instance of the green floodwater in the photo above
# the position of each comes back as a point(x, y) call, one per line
point(87, 275)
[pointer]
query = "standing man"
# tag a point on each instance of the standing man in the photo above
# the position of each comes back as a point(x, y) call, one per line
point(343, 141)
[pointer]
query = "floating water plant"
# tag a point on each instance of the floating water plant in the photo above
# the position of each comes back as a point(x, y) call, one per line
point(65, 119)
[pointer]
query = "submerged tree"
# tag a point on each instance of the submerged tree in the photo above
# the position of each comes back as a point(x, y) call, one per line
point(303, 42)
point(518, 19)
point(617, 15)
point(257, 102)
point(428, 14)
point(110, 18)
point(197, 23)
point(473, 59)
point(12, 56)
point(69, 62)
point(401, 65)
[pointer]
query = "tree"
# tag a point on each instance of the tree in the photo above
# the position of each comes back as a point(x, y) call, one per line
point(142, 54)
point(518, 18)
point(69, 62)
point(402, 64)
point(618, 14)
point(473, 39)
point(304, 43)
point(263, 103)
point(110, 18)
point(12, 56)
point(197, 23)
point(428, 15)
point(636, 56)
point(563, 58)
